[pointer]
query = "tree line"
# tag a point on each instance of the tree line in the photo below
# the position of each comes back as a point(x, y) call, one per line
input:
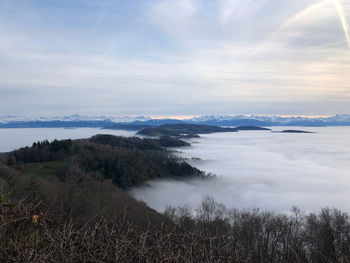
point(128, 161)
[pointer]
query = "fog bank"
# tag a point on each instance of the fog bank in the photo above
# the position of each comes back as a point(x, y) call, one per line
point(11, 139)
point(264, 170)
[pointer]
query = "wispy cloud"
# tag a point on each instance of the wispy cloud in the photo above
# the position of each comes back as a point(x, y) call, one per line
point(177, 57)
point(343, 20)
point(309, 12)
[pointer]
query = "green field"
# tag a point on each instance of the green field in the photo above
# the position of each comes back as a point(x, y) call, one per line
point(43, 170)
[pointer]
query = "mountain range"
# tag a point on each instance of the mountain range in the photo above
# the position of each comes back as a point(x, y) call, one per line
point(127, 122)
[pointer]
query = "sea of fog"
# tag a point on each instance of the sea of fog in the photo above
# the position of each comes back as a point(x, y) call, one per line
point(11, 139)
point(255, 169)
point(261, 169)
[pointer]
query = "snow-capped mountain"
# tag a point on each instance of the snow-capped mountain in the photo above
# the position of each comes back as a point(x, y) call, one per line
point(76, 120)
point(337, 120)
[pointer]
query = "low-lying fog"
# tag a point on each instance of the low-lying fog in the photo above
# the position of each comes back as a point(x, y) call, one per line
point(260, 169)
point(11, 139)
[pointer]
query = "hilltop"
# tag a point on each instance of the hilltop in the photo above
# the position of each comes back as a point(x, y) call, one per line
point(183, 130)
point(190, 130)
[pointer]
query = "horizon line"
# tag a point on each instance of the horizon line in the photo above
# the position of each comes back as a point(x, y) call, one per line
point(174, 117)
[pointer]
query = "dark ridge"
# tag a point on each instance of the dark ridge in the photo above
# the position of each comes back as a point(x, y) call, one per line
point(192, 130)
point(295, 131)
point(251, 128)
point(179, 130)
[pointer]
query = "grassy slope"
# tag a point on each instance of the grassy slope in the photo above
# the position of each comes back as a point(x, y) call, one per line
point(45, 169)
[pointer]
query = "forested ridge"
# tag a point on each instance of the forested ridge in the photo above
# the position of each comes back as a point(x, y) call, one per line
point(126, 161)
point(64, 201)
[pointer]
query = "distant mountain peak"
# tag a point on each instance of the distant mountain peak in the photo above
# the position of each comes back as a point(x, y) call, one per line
point(218, 120)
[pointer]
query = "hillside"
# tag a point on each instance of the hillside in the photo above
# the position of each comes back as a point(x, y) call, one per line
point(179, 130)
point(191, 130)
point(64, 201)
point(127, 161)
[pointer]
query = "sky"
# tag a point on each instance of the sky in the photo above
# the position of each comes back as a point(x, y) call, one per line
point(174, 57)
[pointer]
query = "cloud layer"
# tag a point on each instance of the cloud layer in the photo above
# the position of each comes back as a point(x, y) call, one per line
point(259, 169)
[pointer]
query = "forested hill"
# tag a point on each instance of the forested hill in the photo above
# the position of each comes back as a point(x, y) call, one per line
point(62, 201)
point(127, 161)
point(191, 130)
point(179, 130)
